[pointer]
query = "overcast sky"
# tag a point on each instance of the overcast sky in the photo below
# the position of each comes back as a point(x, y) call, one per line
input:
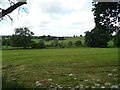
point(51, 17)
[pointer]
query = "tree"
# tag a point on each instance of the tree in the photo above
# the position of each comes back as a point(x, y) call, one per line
point(12, 7)
point(78, 43)
point(88, 39)
point(106, 13)
point(22, 37)
point(34, 44)
point(5, 42)
point(106, 17)
point(41, 44)
point(80, 35)
point(97, 37)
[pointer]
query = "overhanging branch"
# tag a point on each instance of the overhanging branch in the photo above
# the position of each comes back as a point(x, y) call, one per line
point(11, 8)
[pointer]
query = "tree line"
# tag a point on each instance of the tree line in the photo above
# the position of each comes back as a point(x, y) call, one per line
point(24, 38)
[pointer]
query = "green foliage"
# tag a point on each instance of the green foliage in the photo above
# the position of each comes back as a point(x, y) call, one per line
point(38, 45)
point(111, 44)
point(6, 41)
point(78, 43)
point(88, 40)
point(41, 44)
point(98, 37)
point(55, 43)
point(105, 16)
point(106, 13)
point(117, 39)
point(22, 37)
point(34, 45)
point(70, 44)
point(61, 45)
point(47, 38)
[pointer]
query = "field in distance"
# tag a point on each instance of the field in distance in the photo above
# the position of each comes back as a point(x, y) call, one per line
point(68, 67)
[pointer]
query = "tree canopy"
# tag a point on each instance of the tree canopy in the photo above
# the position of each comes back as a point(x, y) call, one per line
point(106, 22)
point(22, 37)
point(106, 13)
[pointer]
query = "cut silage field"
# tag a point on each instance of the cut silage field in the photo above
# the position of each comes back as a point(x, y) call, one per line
point(73, 67)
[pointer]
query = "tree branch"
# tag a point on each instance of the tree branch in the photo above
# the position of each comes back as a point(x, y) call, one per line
point(11, 8)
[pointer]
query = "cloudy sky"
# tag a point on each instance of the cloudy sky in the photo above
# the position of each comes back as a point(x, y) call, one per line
point(51, 17)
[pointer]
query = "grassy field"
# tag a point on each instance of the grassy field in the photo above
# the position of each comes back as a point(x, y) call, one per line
point(73, 67)
point(67, 39)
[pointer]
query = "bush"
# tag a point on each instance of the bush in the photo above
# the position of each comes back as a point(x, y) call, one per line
point(78, 43)
point(55, 43)
point(34, 45)
point(70, 44)
point(41, 44)
point(61, 45)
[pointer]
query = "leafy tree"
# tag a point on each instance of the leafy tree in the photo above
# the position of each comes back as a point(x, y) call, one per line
point(22, 37)
point(5, 41)
point(105, 16)
point(34, 45)
point(106, 13)
point(41, 44)
point(98, 37)
point(88, 39)
point(74, 36)
point(80, 35)
point(78, 43)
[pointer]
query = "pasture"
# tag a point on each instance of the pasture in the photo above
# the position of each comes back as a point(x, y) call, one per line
point(62, 68)
point(67, 39)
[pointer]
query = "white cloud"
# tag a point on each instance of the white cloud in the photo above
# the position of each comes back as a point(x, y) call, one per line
point(53, 17)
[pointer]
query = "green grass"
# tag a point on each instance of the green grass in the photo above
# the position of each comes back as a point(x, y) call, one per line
point(66, 67)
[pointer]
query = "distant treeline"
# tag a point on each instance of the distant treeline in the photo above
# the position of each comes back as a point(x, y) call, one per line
point(44, 37)
point(30, 42)
point(47, 38)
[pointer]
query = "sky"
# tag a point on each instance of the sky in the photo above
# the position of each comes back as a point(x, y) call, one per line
point(51, 17)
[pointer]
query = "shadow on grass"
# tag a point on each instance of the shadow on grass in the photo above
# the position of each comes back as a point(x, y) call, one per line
point(13, 85)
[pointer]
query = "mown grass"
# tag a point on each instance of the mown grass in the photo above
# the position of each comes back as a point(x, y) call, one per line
point(71, 67)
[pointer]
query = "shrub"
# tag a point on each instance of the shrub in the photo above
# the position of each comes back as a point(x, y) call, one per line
point(34, 45)
point(78, 43)
point(61, 45)
point(41, 44)
point(70, 44)
point(55, 43)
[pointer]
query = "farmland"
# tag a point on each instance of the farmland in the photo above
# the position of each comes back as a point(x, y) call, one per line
point(67, 67)
point(65, 41)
